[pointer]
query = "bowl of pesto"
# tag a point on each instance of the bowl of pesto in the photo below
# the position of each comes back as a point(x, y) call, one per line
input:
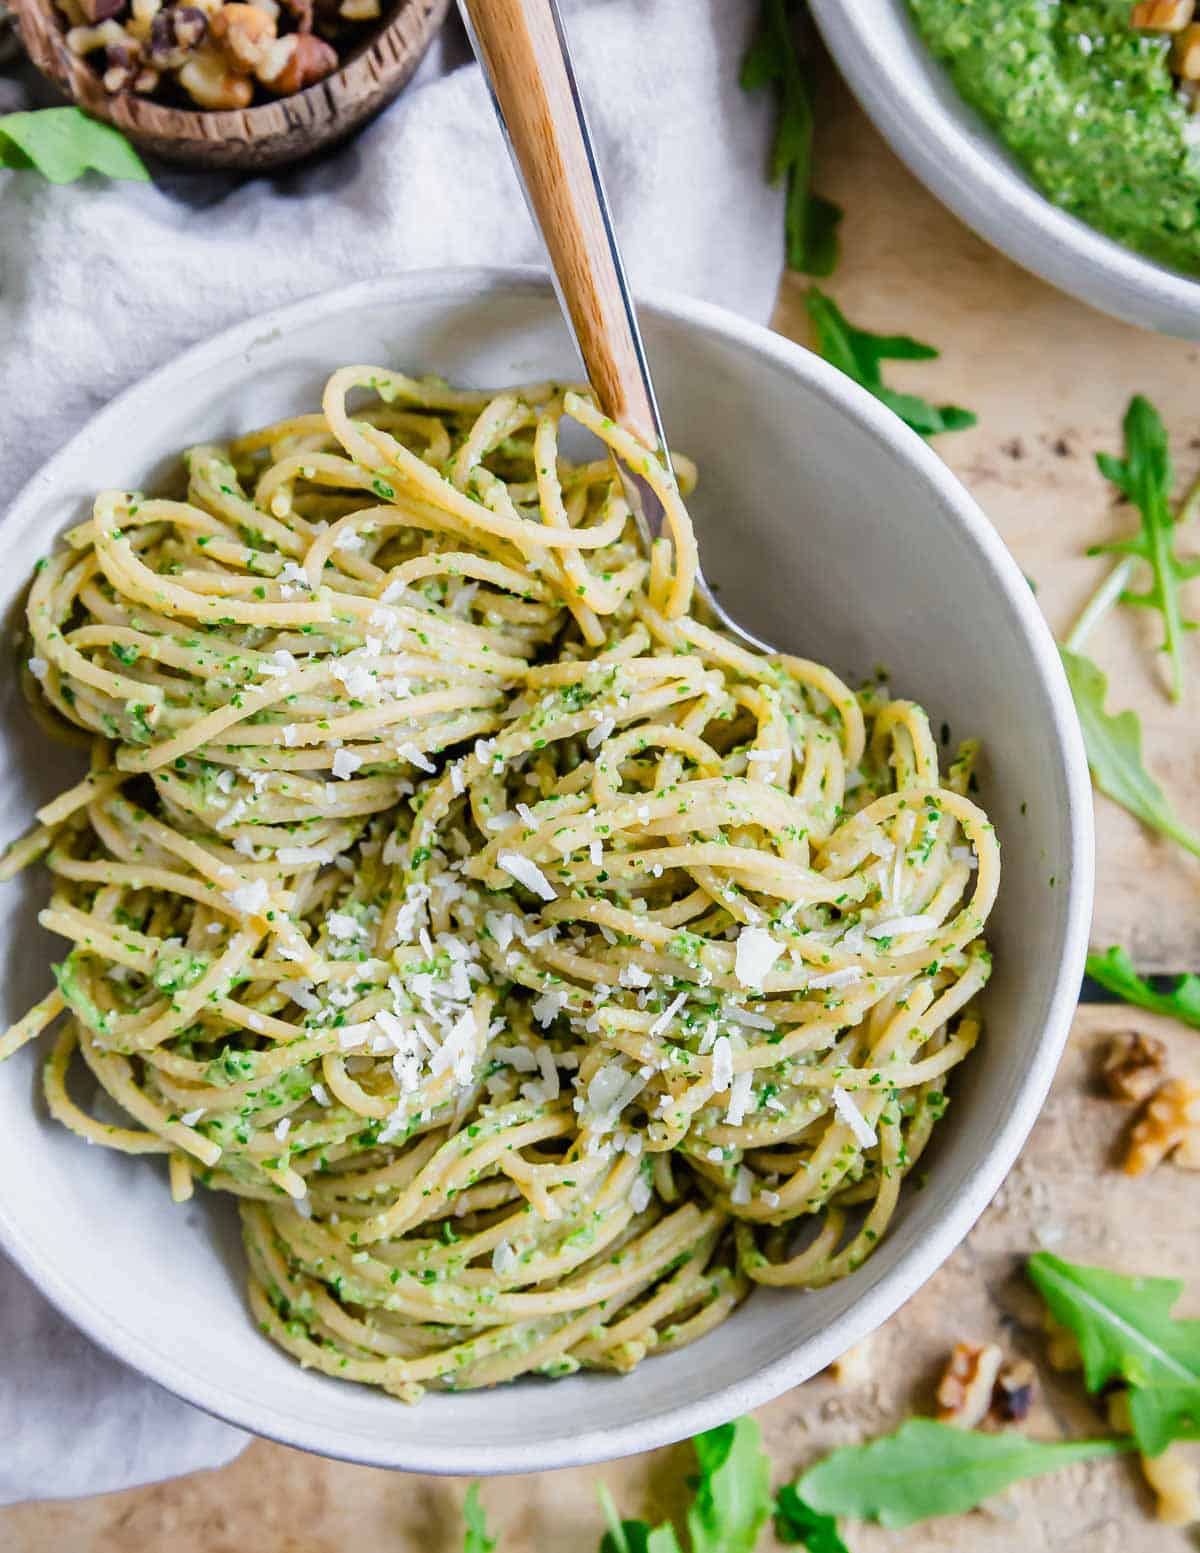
point(1065, 132)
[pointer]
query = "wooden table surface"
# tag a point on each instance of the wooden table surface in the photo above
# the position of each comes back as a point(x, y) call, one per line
point(1049, 380)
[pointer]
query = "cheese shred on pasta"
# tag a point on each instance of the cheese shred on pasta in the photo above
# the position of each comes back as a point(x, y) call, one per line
point(539, 967)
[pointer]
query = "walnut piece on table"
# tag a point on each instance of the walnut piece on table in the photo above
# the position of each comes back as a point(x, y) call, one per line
point(1062, 1349)
point(1169, 1119)
point(1162, 15)
point(855, 1367)
point(1133, 1063)
point(1176, 1484)
point(964, 1394)
point(1012, 1395)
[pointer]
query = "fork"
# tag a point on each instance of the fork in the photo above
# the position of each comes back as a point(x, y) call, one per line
point(522, 48)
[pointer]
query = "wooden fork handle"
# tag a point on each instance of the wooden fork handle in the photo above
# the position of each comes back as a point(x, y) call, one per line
point(520, 44)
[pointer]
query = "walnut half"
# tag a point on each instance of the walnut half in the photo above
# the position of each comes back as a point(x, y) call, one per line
point(1012, 1395)
point(964, 1394)
point(1133, 1065)
point(856, 1366)
point(1170, 1118)
point(1176, 1485)
point(1162, 15)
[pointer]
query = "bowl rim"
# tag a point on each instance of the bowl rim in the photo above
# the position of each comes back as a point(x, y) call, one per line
point(966, 165)
point(895, 1287)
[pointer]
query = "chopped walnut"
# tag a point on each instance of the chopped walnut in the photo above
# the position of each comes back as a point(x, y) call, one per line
point(124, 63)
point(1185, 52)
point(96, 11)
point(310, 59)
point(174, 34)
point(208, 80)
point(854, 1367)
point(86, 40)
point(1062, 1351)
point(244, 34)
point(1116, 1405)
point(1187, 1155)
point(1176, 1484)
point(964, 1392)
point(140, 20)
point(1133, 1065)
point(1170, 1117)
point(1012, 1395)
point(1162, 15)
point(214, 50)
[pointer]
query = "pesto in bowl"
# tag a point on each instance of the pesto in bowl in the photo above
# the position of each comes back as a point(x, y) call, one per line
point(1088, 105)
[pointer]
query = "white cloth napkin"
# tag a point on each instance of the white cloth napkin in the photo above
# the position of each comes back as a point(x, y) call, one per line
point(101, 282)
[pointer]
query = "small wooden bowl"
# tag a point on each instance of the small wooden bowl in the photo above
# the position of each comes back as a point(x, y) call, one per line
point(253, 139)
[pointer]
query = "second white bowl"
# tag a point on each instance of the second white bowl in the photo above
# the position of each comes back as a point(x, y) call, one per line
point(948, 146)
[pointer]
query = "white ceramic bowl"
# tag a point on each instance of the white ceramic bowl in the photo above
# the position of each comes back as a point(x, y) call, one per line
point(949, 147)
point(833, 531)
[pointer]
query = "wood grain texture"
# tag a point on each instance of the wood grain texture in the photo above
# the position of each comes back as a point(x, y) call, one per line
point(532, 87)
point(1050, 380)
point(255, 139)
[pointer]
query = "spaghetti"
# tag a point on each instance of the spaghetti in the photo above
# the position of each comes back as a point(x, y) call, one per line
point(540, 968)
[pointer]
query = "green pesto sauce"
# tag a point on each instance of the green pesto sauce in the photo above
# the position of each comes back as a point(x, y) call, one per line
point(1088, 105)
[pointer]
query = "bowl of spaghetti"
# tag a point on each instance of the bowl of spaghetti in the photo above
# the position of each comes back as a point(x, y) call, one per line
point(512, 1017)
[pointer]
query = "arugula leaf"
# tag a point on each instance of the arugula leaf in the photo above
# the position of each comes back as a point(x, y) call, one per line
point(1145, 476)
point(1114, 752)
point(733, 1495)
point(1125, 1332)
point(796, 1521)
point(633, 1536)
point(476, 1539)
point(63, 143)
point(927, 1469)
point(810, 222)
point(859, 355)
point(1115, 971)
point(640, 1537)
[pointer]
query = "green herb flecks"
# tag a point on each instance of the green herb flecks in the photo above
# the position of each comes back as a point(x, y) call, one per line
point(63, 143)
point(860, 356)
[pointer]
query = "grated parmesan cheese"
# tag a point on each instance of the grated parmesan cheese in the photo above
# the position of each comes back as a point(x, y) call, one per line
point(525, 871)
point(668, 1013)
point(722, 1064)
point(845, 1107)
point(249, 899)
point(740, 1092)
point(843, 978)
point(756, 953)
point(894, 926)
